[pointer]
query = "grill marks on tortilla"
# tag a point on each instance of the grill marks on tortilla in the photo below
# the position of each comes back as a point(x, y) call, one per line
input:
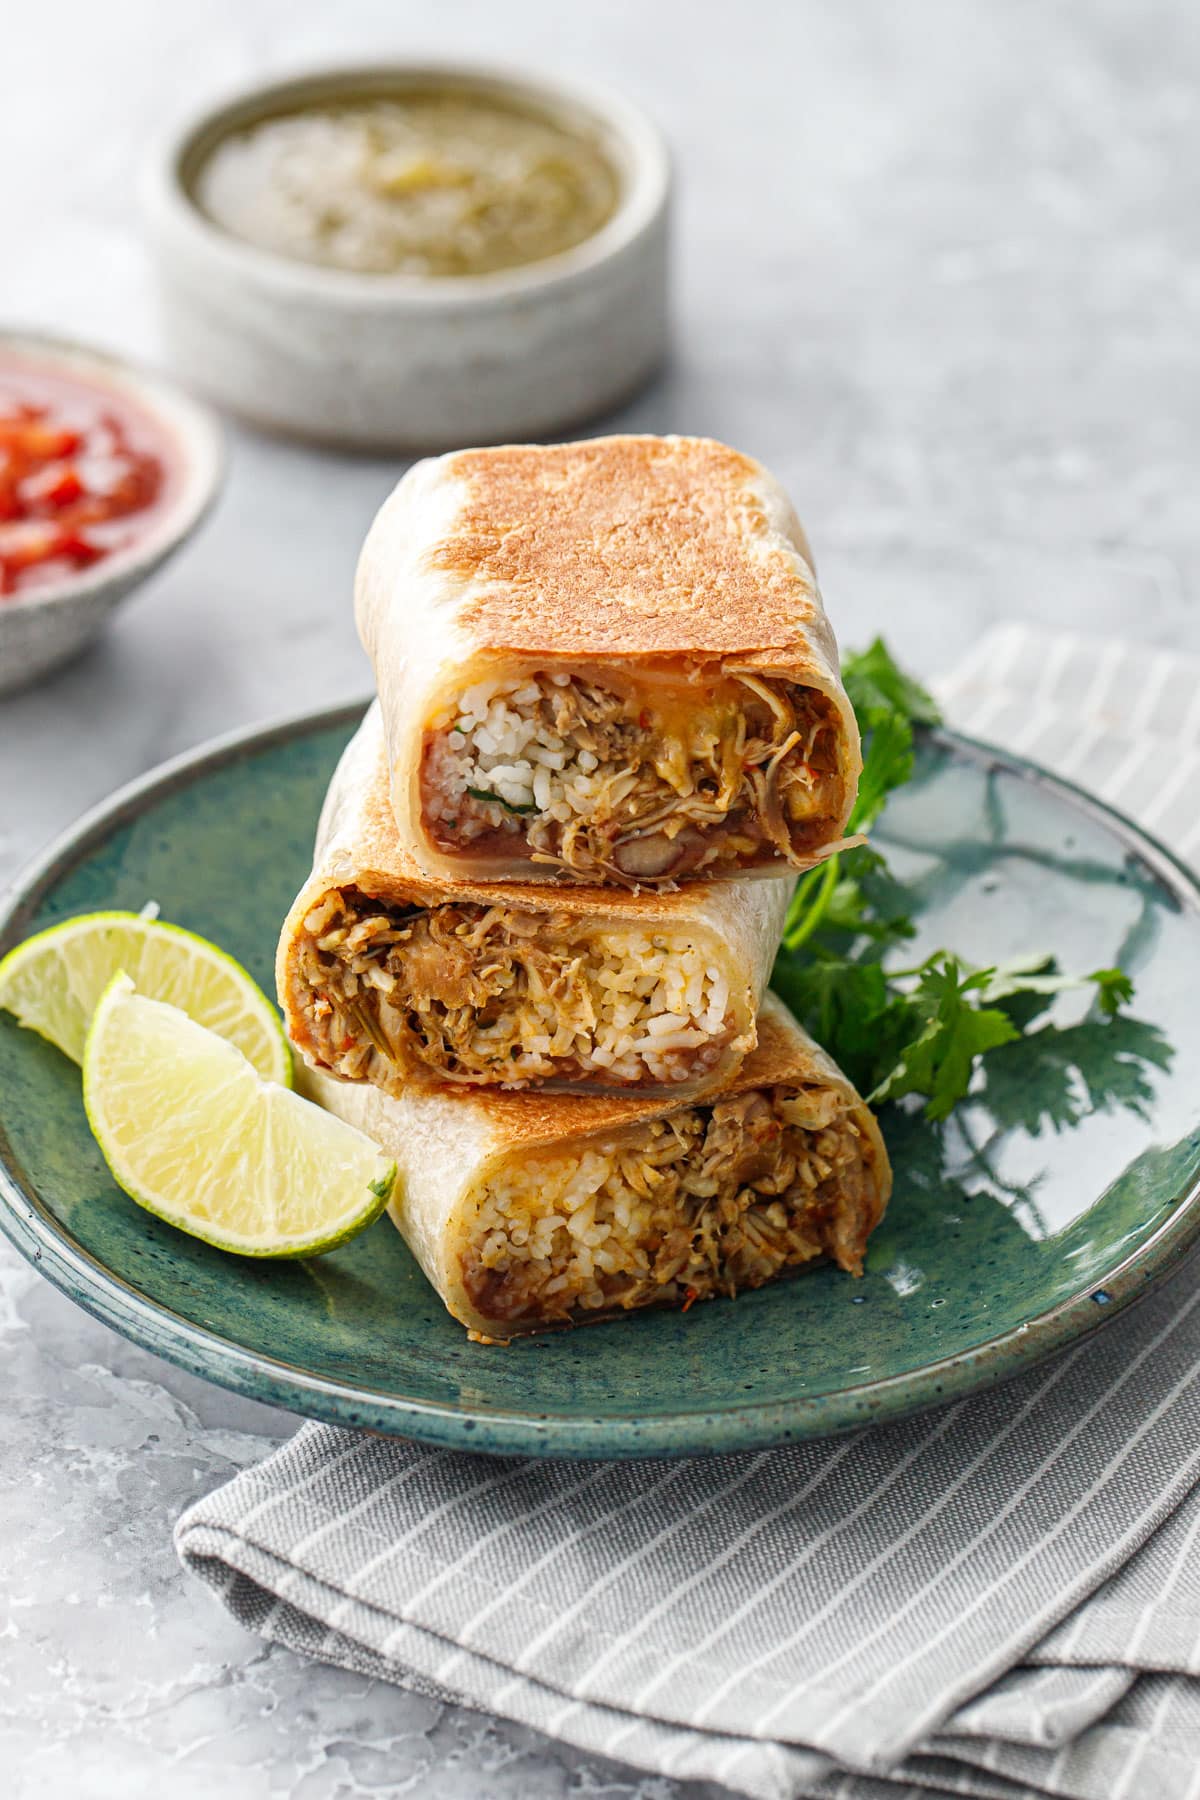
point(636, 545)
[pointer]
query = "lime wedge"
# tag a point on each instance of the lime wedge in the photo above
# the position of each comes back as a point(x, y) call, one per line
point(53, 981)
point(194, 1135)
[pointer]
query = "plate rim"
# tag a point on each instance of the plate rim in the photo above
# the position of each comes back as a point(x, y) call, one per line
point(103, 1293)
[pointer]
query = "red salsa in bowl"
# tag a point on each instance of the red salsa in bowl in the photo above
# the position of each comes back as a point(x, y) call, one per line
point(85, 473)
point(106, 470)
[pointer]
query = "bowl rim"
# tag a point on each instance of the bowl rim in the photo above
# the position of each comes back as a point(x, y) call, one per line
point(172, 212)
point(195, 433)
point(683, 1431)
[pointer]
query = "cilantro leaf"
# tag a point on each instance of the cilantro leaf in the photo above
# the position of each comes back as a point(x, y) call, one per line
point(1039, 975)
point(809, 903)
point(1115, 990)
point(848, 1004)
point(887, 916)
point(887, 764)
point(922, 1031)
point(939, 1061)
point(887, 704)
point(1056, 1075)
point(491, 799)
point(861, 898)
point(876, 684)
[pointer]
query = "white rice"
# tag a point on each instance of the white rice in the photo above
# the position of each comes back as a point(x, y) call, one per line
point(493, 739)
point(552, 1225)
point(639, 1007)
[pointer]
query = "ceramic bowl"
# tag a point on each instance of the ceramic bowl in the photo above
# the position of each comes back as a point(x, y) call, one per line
point(410, 362)
point(1066, 1189)
point(41, 629)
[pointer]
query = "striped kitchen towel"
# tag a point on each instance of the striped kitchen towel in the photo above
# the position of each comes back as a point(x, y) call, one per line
point(1121, 722)
point(1000, 1598)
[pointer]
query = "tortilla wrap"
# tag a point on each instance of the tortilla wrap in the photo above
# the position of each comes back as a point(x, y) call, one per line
point(390, 976)
point(605, 661)
point(532, 1211)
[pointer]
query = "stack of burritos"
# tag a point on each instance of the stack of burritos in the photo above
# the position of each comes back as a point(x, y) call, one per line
point(551, 876)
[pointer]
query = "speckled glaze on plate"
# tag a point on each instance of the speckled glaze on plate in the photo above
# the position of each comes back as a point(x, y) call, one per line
point(1012, 1231)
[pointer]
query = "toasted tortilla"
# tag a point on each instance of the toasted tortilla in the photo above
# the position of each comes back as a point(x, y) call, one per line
point(675, 557)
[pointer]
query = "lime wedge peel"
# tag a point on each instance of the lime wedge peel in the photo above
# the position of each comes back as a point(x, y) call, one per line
point(197, 1137)
point(53, 983)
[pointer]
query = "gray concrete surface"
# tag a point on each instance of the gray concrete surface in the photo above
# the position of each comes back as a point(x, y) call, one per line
point(938, 265)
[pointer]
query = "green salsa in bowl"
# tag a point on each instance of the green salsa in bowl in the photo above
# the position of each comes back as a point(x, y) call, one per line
point(419, 182)
point(414, 256)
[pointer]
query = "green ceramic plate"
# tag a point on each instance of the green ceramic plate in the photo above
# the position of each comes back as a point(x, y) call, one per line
point(1049, 1205)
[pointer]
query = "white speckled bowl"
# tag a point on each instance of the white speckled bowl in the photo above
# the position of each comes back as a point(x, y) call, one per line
point(39, 630)
point(409, 362)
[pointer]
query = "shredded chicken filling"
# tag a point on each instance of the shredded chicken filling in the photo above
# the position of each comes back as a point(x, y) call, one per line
point(629, 787)
point(490, 994)
point(715, 1199)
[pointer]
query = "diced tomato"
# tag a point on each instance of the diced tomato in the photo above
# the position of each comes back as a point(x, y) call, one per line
point(33, 441)
point(56, 485)
point(72, 464)
point(79, 549)
point(28, 542)
point(137, 487)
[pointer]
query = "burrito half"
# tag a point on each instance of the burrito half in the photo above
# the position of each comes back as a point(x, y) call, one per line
point(533, 1211)
point(390, 977)
point(605, 661)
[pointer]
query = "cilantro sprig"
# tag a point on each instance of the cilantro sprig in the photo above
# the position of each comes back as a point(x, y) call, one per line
point(915, 1030)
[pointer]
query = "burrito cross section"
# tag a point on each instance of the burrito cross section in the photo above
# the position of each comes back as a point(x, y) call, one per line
point(476, 993)
point(709, 1200)
point(528, 961)
point(635, 780)
point(545, 1212)
point(605, 662)
point(391, 977)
